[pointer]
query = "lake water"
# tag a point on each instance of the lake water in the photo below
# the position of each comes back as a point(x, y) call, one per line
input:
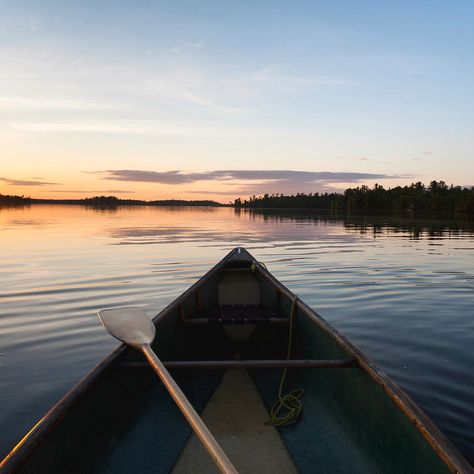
point(402, 290)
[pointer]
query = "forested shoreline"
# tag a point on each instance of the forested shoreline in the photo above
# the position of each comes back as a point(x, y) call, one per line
point(416, 197)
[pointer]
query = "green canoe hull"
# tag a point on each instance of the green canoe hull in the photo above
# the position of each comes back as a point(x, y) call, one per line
point(120, 419)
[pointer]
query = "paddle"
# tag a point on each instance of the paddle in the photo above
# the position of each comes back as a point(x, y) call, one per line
point(132, 326)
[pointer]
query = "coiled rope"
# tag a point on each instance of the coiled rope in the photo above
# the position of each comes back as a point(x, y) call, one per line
point(288, 407)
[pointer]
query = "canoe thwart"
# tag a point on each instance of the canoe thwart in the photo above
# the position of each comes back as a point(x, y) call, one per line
point(204, 321)
point(253, 364)
point(236, 314)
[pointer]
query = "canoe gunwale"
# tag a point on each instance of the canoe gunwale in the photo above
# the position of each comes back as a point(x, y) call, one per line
point(25, 447)
point(430, 432)
point(438, 441)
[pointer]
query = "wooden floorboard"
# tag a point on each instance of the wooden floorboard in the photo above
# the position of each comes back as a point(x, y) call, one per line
point(237, 417)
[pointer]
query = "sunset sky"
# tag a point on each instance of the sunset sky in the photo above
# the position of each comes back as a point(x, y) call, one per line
point(215, 100)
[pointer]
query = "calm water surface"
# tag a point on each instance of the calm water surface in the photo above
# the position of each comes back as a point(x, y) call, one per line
point(403, 291)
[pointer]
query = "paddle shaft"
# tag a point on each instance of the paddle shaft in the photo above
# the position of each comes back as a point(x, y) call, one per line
point(201, 430)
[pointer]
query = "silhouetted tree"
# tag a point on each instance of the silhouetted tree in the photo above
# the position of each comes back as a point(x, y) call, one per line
point(438, 196)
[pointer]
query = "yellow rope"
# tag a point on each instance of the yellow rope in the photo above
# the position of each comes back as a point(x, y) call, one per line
point(253, 267)
point(290, 402)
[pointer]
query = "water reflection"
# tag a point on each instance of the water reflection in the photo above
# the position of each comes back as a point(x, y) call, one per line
point(415, 227)
point(296, 226)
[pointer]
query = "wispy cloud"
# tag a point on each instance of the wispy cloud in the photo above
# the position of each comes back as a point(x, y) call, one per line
point(239, 182)
point(11, 103)
point(179, 84)
point(19, 24)
point(271, 77)
point(89, 191)
point(21, 182)
point(424, 154)
point(212, 106)
point(204, 130)
point(185, 48)
point(196, 44)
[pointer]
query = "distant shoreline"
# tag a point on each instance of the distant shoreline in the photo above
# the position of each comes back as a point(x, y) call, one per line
point(407, 200)
point(108, 201)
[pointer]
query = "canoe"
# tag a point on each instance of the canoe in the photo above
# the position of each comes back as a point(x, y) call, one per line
point(225, 341)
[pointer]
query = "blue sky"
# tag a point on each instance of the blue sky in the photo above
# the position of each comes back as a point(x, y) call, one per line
point(92, 92)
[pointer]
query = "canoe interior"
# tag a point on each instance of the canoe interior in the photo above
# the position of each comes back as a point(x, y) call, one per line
point(120, 419)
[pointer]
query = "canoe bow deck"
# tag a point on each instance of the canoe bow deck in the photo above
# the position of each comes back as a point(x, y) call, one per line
point(355, 419)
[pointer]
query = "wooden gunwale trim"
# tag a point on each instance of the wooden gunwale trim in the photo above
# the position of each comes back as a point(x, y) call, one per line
point(22, 451)
point(251, 364)
point(438, 441)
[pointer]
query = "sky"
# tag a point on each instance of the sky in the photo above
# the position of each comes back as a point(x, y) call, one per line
point(216, 100)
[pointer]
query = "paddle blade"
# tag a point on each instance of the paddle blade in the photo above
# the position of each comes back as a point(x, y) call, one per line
point(130, 325)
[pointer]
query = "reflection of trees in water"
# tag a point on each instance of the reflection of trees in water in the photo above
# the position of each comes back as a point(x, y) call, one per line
point(4, 206)
point(103, 209)
point(428, 226)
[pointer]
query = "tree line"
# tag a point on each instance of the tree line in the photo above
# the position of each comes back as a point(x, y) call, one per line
point(105, 201)
point(8, 199)
point(416, 197)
